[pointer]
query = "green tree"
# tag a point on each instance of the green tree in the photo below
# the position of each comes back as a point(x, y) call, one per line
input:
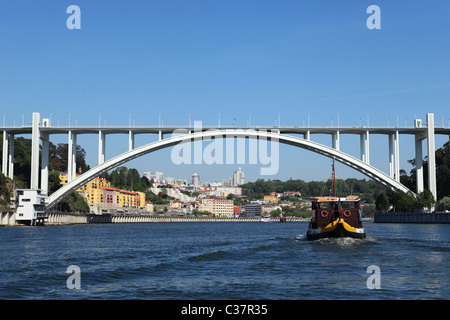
point(403, 201)
point(425, 199)
point(442, 172)
point(382, 202)
point(74, 203)
point(443, 204)
point(4, 191)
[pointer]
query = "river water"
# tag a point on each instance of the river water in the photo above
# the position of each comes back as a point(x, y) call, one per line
point(224, 260)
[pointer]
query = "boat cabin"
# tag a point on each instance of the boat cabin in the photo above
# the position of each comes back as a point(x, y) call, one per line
point(327, 209)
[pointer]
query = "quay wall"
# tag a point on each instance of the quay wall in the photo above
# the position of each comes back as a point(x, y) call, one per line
point(60, 218)
point(7, 218)
point(411, 217)
point(163, 219)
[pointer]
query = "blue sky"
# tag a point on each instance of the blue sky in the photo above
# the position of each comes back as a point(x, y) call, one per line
point(240, 59)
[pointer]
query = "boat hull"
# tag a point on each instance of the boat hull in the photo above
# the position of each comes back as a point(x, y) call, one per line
point(337, 229)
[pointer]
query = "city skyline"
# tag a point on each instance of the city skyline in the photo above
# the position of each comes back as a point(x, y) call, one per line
point(237, 179)
point(238, 63)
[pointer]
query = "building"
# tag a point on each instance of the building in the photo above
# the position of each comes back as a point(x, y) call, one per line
point(196, 180)
point(132, 199)
point(98, 193)
point(252, 210)
point(238, 178)
point(155, 175)
point(271, 198)
point(293, 193)
point(221, 191)
point(91, 191)
point(219, 207)
point(227, 182)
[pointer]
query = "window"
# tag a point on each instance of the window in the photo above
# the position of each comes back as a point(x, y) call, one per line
point(326, 205)
point(348, 205)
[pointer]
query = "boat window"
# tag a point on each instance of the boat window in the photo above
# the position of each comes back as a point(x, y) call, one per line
point(348, 205)
point(326, 205)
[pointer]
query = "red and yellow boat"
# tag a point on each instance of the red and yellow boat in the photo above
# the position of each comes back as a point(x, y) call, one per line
point(335, 217)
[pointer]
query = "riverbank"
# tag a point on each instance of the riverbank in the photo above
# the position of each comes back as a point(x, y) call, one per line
point(411, 217)
point(65, 218)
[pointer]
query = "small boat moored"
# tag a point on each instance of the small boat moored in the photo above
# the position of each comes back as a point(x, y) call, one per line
point(265, 219)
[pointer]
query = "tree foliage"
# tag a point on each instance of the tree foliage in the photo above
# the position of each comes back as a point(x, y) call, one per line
point(365, 189)
point(381, 202)
point(407, 202)
point(5, 193)
point(125, 178)
point(443, 204)
point(442, 172)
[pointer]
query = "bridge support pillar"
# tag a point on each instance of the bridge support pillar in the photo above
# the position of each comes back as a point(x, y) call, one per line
point(397, 156)
point(130, 140)
point(5, 153)
point(364, 145)
point(307, 135)
point(11, 157)
point(35, 151)
point(431, 155)
point(44, 163)
point(101, 147)
point(419, 164)
point(335, 140)
point(69, 156)
point(391, 155)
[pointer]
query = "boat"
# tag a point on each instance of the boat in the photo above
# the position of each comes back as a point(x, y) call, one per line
point(335, 217)
point(283, 217)
point(265, 219)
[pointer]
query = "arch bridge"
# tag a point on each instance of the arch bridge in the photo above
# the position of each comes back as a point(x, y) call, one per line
point(42, 130)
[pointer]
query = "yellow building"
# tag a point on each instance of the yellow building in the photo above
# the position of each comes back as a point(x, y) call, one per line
point(99, 191)
point(271, 198)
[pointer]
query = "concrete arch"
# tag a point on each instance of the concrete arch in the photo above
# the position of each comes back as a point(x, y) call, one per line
point(340, 156)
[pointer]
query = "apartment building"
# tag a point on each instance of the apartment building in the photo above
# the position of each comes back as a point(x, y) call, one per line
point(219, 207)
point(99, 191)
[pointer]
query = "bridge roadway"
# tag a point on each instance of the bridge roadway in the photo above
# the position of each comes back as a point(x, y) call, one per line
point(171, 129)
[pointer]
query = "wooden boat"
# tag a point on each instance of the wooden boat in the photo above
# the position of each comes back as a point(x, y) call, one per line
point(334, 216)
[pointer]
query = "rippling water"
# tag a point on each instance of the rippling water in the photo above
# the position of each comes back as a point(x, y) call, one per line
point(222, 261)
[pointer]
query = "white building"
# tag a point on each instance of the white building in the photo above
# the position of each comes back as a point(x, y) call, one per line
point(238, 177)
point(155, 175)
point(196, 180)
point(30, 204)
point(227, 182)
